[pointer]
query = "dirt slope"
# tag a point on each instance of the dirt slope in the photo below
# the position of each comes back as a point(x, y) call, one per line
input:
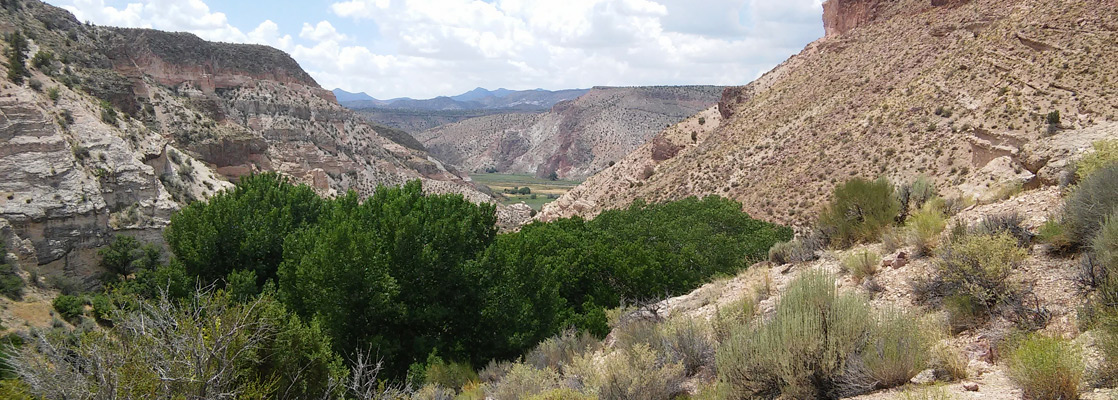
point(953, 90)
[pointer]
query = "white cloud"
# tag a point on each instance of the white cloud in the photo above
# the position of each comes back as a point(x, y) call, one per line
point(426, 48)
point(323, 31)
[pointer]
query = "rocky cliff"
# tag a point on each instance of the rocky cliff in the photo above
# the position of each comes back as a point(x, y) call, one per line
point(957, 91)
point(575, 139)
point(123, 126)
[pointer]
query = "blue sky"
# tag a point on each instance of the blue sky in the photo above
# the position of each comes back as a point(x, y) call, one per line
point(427, 48)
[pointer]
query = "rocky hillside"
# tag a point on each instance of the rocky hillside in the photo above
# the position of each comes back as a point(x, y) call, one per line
point(111, 130)
point(575, 139)
point(960, 91)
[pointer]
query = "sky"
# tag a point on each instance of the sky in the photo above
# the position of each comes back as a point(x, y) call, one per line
point(428, 48)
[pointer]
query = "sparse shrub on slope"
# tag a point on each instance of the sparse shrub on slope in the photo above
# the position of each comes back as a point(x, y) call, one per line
point(11, 284)
point(523, 381)
point(923, 228)
point(557, 352)
point(1046, 368)
point(689, 343)
point(69, 307)
point(975, 270)
point(803, 350)
point(1008, 223)
point(1090, 203)
point(897, 348)
point(859, 211)
point(861, 264)
point(638, 372)
point(1105, 154)
point(822, 344)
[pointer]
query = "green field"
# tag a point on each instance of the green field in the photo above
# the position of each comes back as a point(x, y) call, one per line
point(543, 189)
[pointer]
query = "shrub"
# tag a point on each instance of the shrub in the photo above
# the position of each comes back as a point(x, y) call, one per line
point(861, 264)
point(689, 343)
point(35, 85)
point(964, 312)
point(1105, 154)
point(950, 360)
point(1090, 203)
point(1105, 248)
point(452, 375)
point(53, 93)
point(978, 267)
point(1055, 234)
point(859, 211)
point(635, 373)
point(795, 251)
point(733, 317)
point(69, 307)
point(924, 227)
point(563, 394)
point(802, 352)
point(11, 284)
point(523, 382)
point(42, 61)
point(936, 392)
point(558, 351)
point(1046, 367)
point(897, 349)
point(1008, 223)
point(893, 239)
point(108, 113)
point(494, 371)
point(912, 196)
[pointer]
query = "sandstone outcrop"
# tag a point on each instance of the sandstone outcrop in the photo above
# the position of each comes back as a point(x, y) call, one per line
point(127, 125)
point(575, 139)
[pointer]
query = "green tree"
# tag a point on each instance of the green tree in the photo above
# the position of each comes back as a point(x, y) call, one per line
point(392, 273)
point(17, 57)
point(242, 228)
point(125, 255)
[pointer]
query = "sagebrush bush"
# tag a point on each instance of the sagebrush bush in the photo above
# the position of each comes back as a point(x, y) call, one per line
point(558, 351)
point(978, 267)
point(1055, 234)
point(1009, 223)
point(639, 372)
point(859, 211)
point(1090, 203)
point(861, 264)
point(562, 394)
point(936, 392)
point(1106, 153)
point(794, 251)
point(688, 343)
point(802, 352)
point(923, 228)
point(494, 371)
point(453, 375)
point(897, 348)
point(523, 381)
point(732, 317)
point(1046, 367)
point(950, 360)
point(1104, 247)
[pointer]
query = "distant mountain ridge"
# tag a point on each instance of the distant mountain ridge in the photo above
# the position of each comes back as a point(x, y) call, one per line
point(477, 99)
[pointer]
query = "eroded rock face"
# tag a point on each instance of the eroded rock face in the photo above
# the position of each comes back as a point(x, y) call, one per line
point(161, 119)
point(842, 16)
point(575, 138)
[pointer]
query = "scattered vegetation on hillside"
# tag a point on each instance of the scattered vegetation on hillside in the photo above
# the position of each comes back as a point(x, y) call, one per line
point(298, 283)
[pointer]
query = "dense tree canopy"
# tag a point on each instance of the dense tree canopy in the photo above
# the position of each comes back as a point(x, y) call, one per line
point(405, 275)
